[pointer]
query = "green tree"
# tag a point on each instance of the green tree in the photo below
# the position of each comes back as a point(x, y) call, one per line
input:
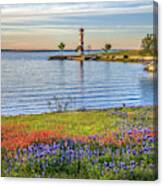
point(107, 47)
point(61, 46)
point(149, 45)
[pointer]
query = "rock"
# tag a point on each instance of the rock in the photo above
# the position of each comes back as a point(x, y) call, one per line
point(151, 67)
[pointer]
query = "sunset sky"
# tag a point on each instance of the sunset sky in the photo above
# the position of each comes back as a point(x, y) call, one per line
point(44, 26)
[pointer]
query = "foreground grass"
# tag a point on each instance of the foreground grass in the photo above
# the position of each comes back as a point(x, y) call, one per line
point(83, 123)
point(107, 144)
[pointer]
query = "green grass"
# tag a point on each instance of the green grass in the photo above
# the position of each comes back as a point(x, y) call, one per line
point(136, 56)
point(129, 53)
point(83, 122)
point(126, 52)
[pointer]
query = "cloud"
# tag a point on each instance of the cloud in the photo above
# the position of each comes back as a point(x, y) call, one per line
point(73, 9)
point(41, 15)
point(62, 20)
point(69, 29)
point(68, 26)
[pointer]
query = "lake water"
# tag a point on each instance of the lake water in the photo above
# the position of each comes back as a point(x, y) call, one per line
point(32, 84)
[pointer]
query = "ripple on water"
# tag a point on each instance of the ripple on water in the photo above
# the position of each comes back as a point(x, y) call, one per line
point(29, 84)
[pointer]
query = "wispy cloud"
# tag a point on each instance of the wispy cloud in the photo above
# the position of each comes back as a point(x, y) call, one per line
point(59, 28)
point(62, 19)
point(75, 9)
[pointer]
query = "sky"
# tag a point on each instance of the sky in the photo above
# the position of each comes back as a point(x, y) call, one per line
point(43, 26)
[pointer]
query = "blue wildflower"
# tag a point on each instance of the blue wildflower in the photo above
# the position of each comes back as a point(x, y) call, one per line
point(62, 158)
point(134, 152)
point(106, 164)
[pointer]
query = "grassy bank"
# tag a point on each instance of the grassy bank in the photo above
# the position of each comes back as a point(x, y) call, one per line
point(83, 123)
point(126, 56)
point(99, 144)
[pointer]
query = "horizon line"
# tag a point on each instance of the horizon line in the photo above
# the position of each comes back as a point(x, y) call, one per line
point(10, 49)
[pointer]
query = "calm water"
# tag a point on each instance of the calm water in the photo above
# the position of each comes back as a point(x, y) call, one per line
point(32, 84)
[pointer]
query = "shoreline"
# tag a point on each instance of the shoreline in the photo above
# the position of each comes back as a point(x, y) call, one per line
point(80, 111)
point(126, 56)
point(142, 60)
point(122, 56)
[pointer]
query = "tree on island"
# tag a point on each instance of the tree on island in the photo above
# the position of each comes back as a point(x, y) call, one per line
point(107, 47)
point(61, 46)
point(149, 45)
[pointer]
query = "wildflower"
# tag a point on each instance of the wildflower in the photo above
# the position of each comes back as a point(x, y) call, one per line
point(138, 139)
point(43, 174)
point(115, 171)
point(106, 164)
point(134, 152)
point(130, 132)
point(144, 138)
point(122, 164)
point(18, 151)
point(24, 151)
point(30, 150)
point(111, 165)
point(62, 158)
point(42, 167)
point(151, 140)
point(125, 167)
point(132, 162)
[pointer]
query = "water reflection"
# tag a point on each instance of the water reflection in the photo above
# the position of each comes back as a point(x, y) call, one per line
point(81, 80)
point(81, 72)
point(148, 87)
point(30, 81)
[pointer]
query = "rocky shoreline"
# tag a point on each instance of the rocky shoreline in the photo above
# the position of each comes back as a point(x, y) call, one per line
point(148, 61)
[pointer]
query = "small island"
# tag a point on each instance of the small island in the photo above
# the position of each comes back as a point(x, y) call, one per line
point(147, 54)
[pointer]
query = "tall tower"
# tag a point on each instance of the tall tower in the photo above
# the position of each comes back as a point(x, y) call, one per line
point(81, 41)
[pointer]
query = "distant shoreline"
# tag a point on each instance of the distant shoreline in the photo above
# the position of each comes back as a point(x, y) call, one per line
point(113, 55)
point(48, 50)
point(121, 55)
point(21, 50)
point(57, 50)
